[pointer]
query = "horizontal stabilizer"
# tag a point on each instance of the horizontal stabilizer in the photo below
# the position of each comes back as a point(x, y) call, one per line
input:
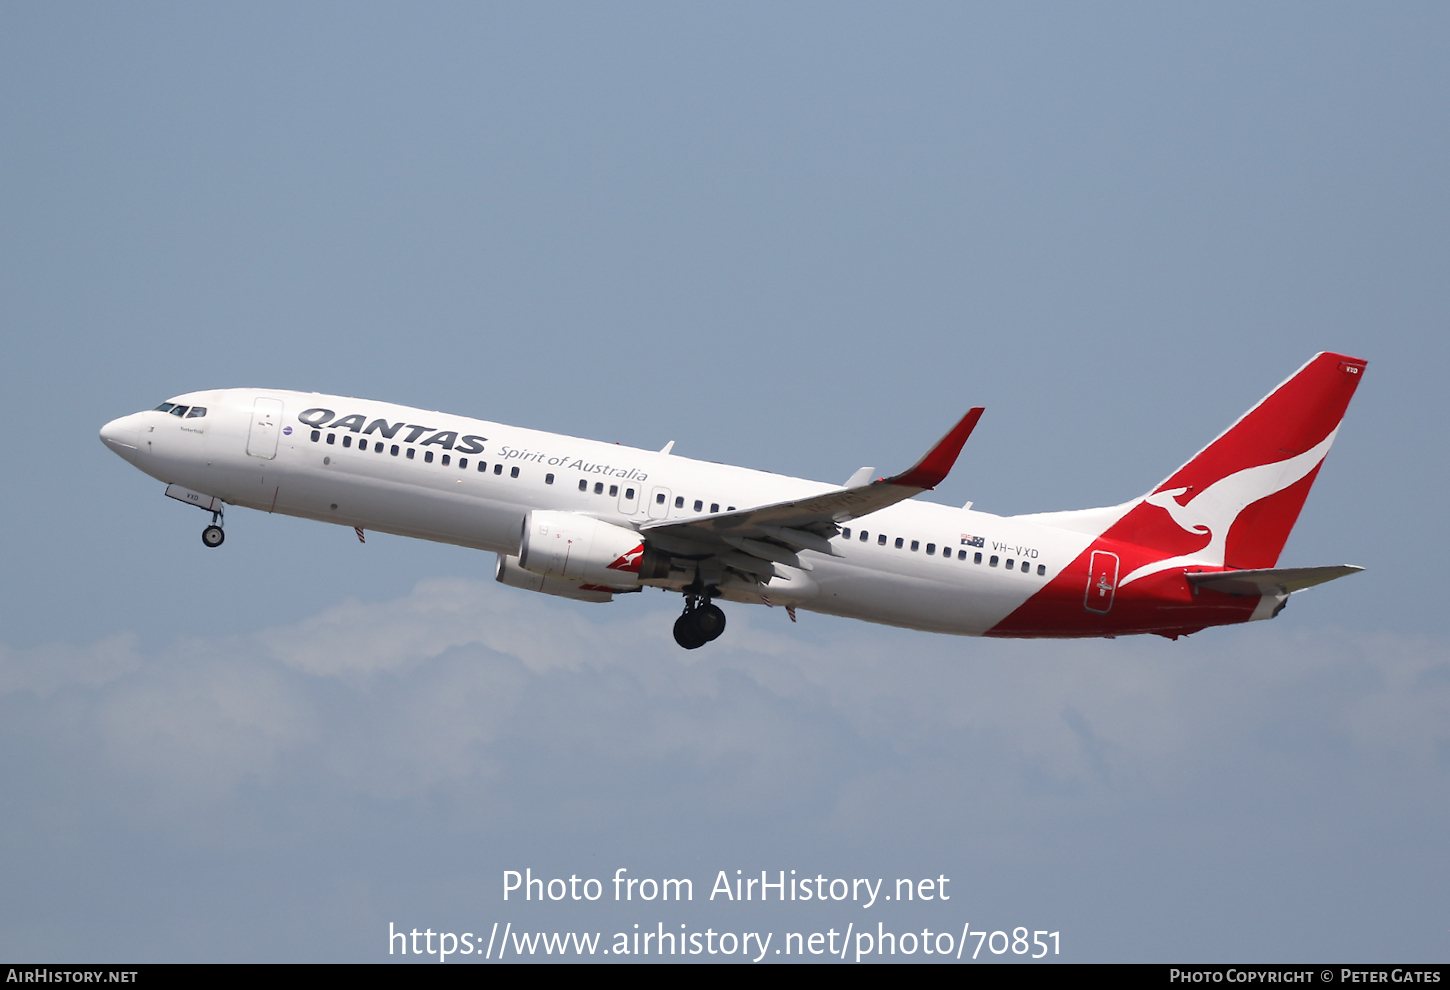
point(1273, 581)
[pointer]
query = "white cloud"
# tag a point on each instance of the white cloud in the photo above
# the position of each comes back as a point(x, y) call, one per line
point(357, 638)
point(194, 731)
point(425, 689)
point(48, 668)
point(469, 714)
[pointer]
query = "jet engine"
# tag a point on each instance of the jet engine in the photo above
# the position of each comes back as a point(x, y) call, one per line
point(580, 548)
point(510, 573)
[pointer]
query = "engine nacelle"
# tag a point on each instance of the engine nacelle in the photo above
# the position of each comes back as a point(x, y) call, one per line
point(510, 573)
point(580, 548)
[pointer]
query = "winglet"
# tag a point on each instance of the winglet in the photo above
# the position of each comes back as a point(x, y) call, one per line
point(932, 469)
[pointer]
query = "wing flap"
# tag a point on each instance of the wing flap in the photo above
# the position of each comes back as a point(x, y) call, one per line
point(770, 531)
point(767, 551)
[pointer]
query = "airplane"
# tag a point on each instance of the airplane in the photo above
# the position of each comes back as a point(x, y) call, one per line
point(588, 520)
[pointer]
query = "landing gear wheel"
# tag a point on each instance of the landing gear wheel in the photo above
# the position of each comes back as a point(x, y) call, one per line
point(213, 536)
point(701, 623)
point(686, 634)
point(709, 621)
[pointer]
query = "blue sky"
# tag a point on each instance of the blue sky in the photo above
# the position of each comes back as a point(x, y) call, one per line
point(798, 237)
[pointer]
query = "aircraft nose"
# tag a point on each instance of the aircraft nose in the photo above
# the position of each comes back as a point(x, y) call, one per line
point(123, 436)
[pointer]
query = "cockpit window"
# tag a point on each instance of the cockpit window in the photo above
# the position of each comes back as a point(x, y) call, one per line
point(166, 407)
point(197, 412)
point(178, 410)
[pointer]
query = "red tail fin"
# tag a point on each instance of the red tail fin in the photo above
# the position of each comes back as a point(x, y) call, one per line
point(1236, 500)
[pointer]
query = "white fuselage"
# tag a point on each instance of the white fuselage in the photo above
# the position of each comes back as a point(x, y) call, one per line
point(495, 474)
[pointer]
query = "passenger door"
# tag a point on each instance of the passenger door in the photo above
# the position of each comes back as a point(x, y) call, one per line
point(266, 426)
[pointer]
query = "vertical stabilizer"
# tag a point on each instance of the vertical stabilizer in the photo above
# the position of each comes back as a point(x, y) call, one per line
point(1234, 503)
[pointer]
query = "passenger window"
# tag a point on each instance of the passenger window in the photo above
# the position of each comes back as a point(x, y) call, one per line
point(513, 472)
point(961, 555)
point(714, 507)
point(362, 445)
point(394, 451)
point(583, 485)
point(660, 498)
point(178, 410)
point(846, 533)
point(332, 438)
point(613, 490)
point(915, 545)
point(1010, 565)
point(1041, 570)
point(679, 501)
point(462, 463)
point(931, 549)
point(445, 460)
point(977, 557)
point(378, 447)
point(730, 508)
point(197, 412)
point(864, 536)
point(411, 452)
point(164, 407)
point(629, 493)
point(946, 551)
point(548, 479)
point(598, 488)
point(427, 454)
point(881, 539)
point(346, 440)
point(1025, 567)
point(498, 468)
point(993, 561)
point(482, 467)
point(699, 505)
point(316, 435)
point(900, 543)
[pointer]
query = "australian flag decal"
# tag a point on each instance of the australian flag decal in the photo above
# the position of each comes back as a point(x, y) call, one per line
point(973, 541)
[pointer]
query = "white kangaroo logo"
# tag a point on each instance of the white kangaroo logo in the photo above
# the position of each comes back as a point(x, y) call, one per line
point(1212, 511)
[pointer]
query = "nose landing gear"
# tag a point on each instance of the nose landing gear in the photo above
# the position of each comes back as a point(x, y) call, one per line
point(701, 622)
point(213, 535)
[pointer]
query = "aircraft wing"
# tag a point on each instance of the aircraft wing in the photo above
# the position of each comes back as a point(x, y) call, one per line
point(776, 532)
point(1270, 581)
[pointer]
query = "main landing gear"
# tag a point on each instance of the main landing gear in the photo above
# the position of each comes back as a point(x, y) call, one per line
point(213, 535)
point(702, 621)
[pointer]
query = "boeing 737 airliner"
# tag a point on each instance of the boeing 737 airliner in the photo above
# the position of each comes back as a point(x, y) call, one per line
point(589, 520)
